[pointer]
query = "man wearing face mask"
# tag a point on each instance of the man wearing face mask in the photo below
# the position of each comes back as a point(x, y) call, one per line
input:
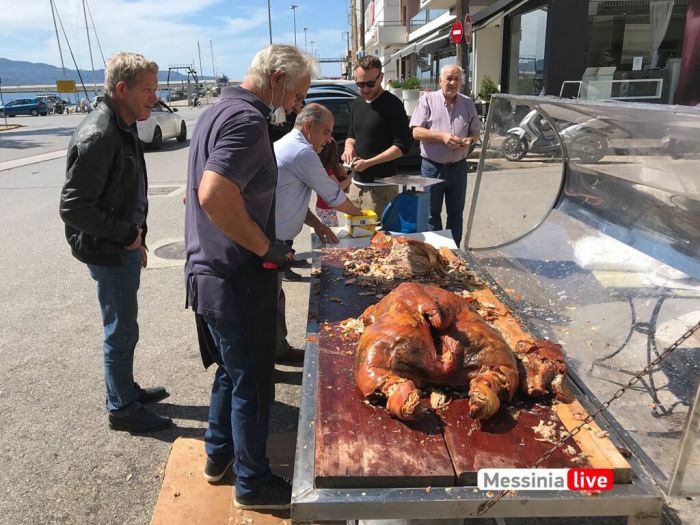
point(232, 262)
point(301, 172)
point(378, 134)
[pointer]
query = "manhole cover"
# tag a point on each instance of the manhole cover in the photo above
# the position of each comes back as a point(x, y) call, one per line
point(161, 190)
point(174, 250)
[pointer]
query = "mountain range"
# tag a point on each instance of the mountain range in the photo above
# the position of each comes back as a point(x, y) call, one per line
point(19, 73)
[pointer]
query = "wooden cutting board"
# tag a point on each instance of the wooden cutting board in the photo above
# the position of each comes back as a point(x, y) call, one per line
point(358, 445)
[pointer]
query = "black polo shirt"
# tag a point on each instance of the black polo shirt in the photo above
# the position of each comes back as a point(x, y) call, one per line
point(230, 138)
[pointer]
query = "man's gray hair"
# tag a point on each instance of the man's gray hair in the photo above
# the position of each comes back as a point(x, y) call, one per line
point(126, 67)
point(313, 113)
point(461, 71)
point(280, 57)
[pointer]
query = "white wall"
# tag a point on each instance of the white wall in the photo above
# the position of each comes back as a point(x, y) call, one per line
point(487, 54)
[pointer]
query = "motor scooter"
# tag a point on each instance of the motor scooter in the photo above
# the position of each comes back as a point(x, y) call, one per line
point(535, 135)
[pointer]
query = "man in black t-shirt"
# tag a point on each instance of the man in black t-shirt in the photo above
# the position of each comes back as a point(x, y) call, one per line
point(378, 135)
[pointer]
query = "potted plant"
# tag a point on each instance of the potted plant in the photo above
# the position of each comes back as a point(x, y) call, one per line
point(395, 88)
point(411, 94)
point(488, 87)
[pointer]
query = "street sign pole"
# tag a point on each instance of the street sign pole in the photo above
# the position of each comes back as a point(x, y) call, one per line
point(462, 9)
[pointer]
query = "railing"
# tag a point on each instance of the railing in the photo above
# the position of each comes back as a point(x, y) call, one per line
point(423, 17)
point(606, 85)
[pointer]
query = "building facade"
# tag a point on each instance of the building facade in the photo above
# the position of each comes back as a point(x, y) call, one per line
point(635, 50)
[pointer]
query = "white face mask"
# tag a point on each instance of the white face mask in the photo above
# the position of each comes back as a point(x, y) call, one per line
point(278, 115)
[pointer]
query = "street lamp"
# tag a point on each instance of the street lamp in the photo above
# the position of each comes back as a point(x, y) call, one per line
point(312, 47)
point(293, 7)
point(269, 20)
point(305, 48)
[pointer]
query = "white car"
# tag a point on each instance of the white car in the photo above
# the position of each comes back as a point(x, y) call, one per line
point(163, 124)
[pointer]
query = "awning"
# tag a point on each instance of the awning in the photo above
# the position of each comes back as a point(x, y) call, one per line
point(436, 43)
point(498, 8)
point(415, 47)
point(404, 51)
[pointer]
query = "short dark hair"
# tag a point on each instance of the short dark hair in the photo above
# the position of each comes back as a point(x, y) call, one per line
point(369, 62)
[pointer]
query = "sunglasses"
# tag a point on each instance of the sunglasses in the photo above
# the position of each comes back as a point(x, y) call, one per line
point(370, 83)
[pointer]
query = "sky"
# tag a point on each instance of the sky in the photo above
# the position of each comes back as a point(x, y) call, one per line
point(167, 31)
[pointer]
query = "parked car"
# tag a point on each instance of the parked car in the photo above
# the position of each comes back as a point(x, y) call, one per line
point(96, 101)
point(348, 85)
point(163, 124)
point(24, 106)
point(53, 103)
point(331, 90)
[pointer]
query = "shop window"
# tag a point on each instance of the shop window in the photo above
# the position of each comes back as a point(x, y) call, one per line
point(526, 57)
point(621, 30)
point(642, 40)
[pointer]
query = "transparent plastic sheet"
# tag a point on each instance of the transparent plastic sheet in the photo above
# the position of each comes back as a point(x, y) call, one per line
point(593, 230)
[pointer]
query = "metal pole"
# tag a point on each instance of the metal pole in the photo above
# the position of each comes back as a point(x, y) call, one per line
point(462, 8)
point(312, 47)
point(60, 51)
point(361, 45)
point(269, 21)
point(201, 72)
point(306, 50)
point(92, 64)
point(353, 28)
point(293, 7)
point(213, 68)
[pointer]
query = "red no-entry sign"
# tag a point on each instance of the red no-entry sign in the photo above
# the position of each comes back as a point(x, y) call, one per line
point(457, 33)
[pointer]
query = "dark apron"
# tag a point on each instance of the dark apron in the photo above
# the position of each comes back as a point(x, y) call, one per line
point(255, 291)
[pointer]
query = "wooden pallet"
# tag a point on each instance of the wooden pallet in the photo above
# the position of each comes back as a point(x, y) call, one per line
point(358, 445)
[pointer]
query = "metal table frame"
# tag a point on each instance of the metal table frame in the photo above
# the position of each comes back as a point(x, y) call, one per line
point(640, 500)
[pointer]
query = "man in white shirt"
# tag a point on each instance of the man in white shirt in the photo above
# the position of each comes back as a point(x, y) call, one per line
point(299, 172)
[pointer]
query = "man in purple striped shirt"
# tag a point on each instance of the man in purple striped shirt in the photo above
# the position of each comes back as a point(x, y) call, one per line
point(447, 125)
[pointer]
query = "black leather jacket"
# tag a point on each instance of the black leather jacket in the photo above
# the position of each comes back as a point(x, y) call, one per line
point(99, 196)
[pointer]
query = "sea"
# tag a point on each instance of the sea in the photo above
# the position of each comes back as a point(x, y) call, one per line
point(73, 98)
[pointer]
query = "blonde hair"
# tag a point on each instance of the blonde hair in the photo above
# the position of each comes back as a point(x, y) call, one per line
point(280, 57)
point(126, 67)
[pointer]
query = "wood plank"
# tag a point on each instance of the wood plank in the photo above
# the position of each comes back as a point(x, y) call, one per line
point(506, 440)
point(359, 445)
point(186, 498)
point(600, 451)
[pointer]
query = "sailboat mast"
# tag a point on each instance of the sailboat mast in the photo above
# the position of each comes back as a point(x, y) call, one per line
point(87, 31)
point(58, 40)
point(213, 67)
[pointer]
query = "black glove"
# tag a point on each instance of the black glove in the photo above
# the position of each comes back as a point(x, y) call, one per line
point(279, 253)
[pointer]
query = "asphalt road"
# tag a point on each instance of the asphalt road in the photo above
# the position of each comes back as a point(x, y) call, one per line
point(61, 463)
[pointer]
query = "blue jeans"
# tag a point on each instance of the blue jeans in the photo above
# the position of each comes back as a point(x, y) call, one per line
point(233, 410)
point(117, 287)
point(453, 191)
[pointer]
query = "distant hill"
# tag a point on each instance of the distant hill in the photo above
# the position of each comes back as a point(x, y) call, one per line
point(18, 73)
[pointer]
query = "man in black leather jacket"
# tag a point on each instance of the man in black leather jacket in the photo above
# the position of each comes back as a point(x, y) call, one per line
point(104, 206)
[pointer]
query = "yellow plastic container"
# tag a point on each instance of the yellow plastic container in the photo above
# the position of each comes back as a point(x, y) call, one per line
point(361, 225)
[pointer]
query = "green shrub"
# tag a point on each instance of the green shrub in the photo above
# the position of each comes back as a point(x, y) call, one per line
point(411, 83)
point(395, 83)
point(488, 88)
